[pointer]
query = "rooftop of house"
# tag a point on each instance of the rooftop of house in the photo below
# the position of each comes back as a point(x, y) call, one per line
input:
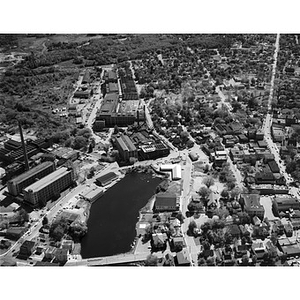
point(251, 201)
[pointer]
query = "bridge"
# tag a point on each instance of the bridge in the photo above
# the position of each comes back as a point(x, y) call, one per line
point(111, 260)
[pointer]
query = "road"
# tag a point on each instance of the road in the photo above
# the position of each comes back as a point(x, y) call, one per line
point(267, 125)
point(223, 98)
point(33, 231)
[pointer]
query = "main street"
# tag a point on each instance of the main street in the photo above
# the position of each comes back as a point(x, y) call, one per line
point(267, 125)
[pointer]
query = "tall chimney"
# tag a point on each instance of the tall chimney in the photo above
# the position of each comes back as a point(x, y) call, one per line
point(24, 147)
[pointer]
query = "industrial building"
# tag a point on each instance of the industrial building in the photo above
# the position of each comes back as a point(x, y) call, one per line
point(92, 194)
point(16, 185)
point(12, 145)
point(110, 76)
point(125, 147)
point(128, 88)
point(113, 112)
point(47, 187)
point(17, 155)
point(106, 179)
point(175, 170)
point(149, 146)
point(166, 202)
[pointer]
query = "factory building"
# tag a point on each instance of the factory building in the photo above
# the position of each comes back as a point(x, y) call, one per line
point(47, 187)
point(16, 185)
point(125, 147)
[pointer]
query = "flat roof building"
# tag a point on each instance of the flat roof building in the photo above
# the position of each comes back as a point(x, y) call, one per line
point(92, 194)
point(175, 170)
point(47, 187)
point(16, 185)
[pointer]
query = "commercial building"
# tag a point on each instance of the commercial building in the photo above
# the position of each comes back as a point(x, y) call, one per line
point(278, 134)
point(252, 205)
point(125, 147)
point(16, 185)
point(273, 166)
point(46, 188)
point(26, 249)
point(107, 178)
point(166, 202)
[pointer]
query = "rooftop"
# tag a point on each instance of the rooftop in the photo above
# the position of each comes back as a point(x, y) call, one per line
point(31, 172)
point(54, 176)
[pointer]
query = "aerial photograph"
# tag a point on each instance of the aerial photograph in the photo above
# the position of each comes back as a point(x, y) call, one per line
point(123, 149)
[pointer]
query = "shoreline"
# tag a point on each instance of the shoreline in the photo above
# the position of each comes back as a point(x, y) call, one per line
point(149, 204)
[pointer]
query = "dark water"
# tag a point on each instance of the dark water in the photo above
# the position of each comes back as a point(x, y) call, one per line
point(112, 221)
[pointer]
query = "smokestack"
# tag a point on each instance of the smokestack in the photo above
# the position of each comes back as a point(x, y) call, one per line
point(24, 147)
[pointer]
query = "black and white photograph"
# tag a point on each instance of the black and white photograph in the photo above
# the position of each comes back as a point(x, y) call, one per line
point(159, 147)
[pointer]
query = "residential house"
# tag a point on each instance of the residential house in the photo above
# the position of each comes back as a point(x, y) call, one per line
point(234, 230)
point(259, 249)
point(182, 258)
point(50, 253)
point(67, 244)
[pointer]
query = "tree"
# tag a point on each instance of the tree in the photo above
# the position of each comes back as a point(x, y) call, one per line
point(235, 192)
point(80, 142)
point(208, 181)
point(23, 215)
point(228, 238)
point(225, 193)
point(204, 192)
point(180, 217)
point(192, 227)
point(244, 218)
point(245, 260)
point(77, 231)
point(151, 260)
point(116, 129)
point(222, 213)
point(45, 221)
point(195, 206)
